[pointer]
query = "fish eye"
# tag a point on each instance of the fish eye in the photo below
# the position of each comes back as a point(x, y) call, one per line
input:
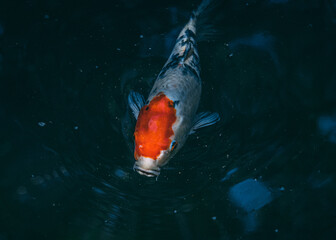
point(173, 145)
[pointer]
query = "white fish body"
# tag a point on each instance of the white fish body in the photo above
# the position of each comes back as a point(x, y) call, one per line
point(168, 116)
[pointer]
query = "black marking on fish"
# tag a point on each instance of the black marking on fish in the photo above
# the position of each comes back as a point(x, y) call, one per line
point(195, 55)
point(189, 34)
point(170, 104)
point(176, 103)
point(180, 38)
point(190, 70)
point(179, 60)
point(187, 53)
point(186, 40)
point(175, 59)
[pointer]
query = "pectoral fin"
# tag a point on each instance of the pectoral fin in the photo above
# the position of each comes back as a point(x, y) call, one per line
point(204, 119)
point(136, 101)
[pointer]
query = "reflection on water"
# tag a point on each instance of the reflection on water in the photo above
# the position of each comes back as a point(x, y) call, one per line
point(265, 171)
point(250, 195)
point(327, 126)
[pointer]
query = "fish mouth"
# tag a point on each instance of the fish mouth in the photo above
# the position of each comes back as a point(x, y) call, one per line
point(146, 172)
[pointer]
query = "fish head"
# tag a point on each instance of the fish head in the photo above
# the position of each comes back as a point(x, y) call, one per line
point(146, 166)
point(154, 136)
point(150, 166)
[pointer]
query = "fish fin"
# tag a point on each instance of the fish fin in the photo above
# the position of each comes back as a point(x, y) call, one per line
point(202, 7)
point(208, 19)
point(136, 101)
point(204, 119)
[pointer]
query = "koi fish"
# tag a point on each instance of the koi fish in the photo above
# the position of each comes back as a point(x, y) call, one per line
point(168, 116)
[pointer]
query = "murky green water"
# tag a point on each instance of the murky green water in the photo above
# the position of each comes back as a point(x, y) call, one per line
point(266, 171)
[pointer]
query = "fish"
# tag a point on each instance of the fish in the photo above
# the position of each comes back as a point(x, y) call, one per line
point(169, 116)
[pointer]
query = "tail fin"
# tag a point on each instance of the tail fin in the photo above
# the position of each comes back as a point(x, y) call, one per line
point(205, 23)
point(199, 20)
point(202, 7)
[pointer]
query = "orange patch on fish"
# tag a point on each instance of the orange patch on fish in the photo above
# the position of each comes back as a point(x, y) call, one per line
point(154, 127)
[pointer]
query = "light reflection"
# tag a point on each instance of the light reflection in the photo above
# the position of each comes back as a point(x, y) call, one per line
point(97, 190)
point(229, 174)
point(250, 195)
point(327, 127)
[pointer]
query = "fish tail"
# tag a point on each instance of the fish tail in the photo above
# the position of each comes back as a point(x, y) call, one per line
point(199, 12)
point(206, 18)
point(200, 20)
point(201, 8)
point(185, 54)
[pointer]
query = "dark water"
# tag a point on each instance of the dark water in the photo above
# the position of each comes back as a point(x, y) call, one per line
point(266, 171)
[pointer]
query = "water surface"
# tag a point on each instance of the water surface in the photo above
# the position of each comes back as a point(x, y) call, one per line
point(265, 171)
